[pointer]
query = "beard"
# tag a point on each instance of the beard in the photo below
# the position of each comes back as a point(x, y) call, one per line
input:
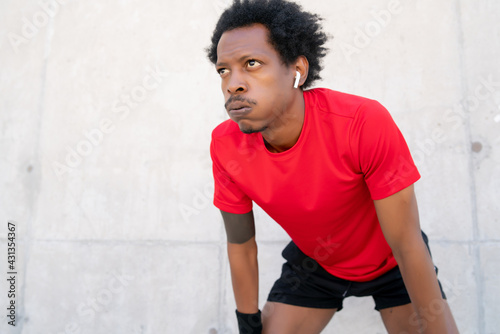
point(249, 130)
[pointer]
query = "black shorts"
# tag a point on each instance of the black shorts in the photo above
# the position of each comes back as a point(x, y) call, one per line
point(304, 282)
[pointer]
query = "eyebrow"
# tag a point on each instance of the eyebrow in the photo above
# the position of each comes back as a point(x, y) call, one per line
point(242, 58)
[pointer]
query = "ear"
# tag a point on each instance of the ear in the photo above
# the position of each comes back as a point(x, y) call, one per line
point(302, 66)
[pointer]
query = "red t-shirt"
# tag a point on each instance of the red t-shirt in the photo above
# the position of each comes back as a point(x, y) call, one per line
point(321, 191)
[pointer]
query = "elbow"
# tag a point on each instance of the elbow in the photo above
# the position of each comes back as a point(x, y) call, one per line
point(408, 251)
point(247, 249)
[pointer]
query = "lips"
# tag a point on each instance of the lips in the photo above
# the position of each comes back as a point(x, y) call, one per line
point(238, 109)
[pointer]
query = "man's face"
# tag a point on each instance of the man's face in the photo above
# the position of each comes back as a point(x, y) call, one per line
point(257, 85)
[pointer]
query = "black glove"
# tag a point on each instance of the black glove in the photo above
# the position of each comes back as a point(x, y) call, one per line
point(249, 323)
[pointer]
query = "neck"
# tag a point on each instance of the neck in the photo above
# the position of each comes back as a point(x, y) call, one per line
point(286, 131)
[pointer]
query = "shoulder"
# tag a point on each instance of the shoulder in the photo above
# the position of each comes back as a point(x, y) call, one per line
point(225, 129)
point(227, 137)
point(341, 104)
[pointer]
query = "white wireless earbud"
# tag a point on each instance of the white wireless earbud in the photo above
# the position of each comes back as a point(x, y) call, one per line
point(297, 79)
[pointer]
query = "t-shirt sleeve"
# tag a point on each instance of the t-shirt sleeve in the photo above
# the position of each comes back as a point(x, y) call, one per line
point(228, 196)
point(382, 152)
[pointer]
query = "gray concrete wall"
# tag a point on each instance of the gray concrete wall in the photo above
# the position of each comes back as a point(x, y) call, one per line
point(106, 109)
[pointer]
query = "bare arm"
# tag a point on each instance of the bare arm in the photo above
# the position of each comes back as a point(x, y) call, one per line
point(242, 253)
point(398, 216)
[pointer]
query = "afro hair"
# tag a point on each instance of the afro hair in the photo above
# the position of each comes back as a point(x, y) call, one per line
point(292, 31)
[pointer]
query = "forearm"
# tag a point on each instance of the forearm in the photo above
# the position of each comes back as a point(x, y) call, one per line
point(421, 282)
point(244, 275)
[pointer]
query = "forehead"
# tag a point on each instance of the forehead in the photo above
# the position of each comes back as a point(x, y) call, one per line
point(244, 41)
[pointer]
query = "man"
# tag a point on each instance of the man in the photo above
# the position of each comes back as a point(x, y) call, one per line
point(331, 168)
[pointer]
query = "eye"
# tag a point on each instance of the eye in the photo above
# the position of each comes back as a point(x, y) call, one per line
point(222, 71)
point(252, 63)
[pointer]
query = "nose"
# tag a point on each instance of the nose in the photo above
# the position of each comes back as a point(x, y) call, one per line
point(236, 83)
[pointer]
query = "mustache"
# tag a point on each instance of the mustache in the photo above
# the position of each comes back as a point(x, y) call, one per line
point(239, 98)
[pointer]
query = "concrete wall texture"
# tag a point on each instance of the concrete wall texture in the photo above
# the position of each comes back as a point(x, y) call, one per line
point(106, 110)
